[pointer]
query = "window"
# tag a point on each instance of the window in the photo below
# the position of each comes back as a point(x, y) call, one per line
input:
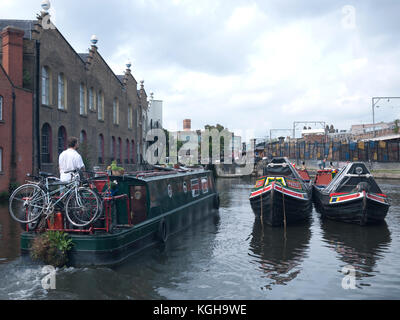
point(113, 149)
point(195, 187)
point(82, 100)
point(100, 148)
point(100, 106)
point(62, 92)
point(62, 140)
point(46, 86)
point(129, 116)
point(116, 111)
point(119, 148)
point(127, 153)
point(1, 159)
point(46, 150)
point(204, 184)
point(1, 108)
point(82, 137)
point(133, 151)
point(92, 99)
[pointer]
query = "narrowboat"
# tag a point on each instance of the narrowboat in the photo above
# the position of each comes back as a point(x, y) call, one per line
point(352, 196)
point(144, 208)
point(281, 197)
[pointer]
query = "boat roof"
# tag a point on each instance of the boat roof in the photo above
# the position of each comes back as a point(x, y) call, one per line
point(281, 166)
point(352, 174)
point(148, 176)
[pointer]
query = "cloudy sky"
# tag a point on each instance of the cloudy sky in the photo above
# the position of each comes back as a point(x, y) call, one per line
point(248, 65)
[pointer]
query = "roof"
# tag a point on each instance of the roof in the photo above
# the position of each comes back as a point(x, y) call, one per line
point(84, 56)
point(26, 25)
point(391, 137)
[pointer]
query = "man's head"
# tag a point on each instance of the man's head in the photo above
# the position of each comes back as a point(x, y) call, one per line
point(73, 143)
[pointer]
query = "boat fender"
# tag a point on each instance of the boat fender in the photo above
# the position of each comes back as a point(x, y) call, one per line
point(363, 186)
point(216, 201)
point(163, 231)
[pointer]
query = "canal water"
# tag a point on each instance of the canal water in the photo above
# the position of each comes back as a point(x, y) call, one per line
point(230, 256)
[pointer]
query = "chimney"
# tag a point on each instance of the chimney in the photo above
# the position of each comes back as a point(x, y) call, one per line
point(12, 45)
point(187, 125)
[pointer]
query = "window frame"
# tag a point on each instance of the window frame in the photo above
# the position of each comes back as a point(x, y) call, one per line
point(62, 92)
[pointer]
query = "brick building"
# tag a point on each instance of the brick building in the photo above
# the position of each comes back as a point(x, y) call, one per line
point(15, 112)
point(72, 94)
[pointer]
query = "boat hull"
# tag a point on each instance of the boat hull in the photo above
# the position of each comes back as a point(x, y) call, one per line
point(274, 207)
point(113, 248)
point(362, 210)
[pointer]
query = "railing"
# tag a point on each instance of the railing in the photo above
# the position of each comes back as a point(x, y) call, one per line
point(381, 151)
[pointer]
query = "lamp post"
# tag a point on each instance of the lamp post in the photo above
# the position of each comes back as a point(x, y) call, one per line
point(375, 100)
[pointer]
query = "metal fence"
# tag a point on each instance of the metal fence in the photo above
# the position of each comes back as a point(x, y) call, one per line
point(381, 151)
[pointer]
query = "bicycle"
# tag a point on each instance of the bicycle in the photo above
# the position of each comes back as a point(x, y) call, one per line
point(33, 200)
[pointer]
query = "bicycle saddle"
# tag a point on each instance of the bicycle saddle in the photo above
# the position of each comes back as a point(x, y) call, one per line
point(46, 174)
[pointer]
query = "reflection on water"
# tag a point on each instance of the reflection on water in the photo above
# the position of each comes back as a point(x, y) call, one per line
point(9, 236)
point(279, 253)
point(358, 246)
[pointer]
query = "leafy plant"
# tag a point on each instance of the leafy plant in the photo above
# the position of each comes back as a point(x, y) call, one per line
point(52, 248)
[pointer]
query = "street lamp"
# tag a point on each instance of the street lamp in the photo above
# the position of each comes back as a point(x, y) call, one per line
point(375, 100)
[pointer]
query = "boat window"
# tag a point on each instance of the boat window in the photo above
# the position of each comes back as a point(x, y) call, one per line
point(185, 187)
point(169, 191)
point(195, 187)
point(204, 184)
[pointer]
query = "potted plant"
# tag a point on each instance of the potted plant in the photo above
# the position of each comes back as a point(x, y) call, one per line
point(52, 248)
point(115, 170)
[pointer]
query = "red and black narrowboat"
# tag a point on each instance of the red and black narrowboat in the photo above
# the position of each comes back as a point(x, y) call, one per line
point(351, 196)
point(281, 196)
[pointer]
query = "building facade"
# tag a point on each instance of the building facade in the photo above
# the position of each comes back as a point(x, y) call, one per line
point(77, 94)
point(16, 112)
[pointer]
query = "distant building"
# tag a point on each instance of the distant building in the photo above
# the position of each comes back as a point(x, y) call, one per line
point(155, 113)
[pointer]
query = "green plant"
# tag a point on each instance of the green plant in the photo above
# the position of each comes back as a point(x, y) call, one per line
point(396, 126)
point(114, 167)
point(52, 248)
point(12, 187)
point(4, 196)
point(85, 153)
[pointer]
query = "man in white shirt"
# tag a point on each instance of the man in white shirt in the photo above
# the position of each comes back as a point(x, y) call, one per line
point(70, 160)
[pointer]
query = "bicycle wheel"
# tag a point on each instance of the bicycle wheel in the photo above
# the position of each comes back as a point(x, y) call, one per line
point(27, 203)
point(82, 207)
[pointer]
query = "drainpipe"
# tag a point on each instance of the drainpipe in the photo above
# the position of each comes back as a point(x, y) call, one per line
point(13, 177)
point(37, 106)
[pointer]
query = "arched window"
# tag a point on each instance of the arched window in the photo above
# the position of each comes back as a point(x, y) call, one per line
point(46, 150)
point(1, 108)
point(100, 148)
point(62, 92)
point(82, 100)
point(1, 159)
point(115, 111)
point(92, 99)
point(132, 151)
point(62, 139)
point(100, 106)
point(130, 113)
point(119, 148)
point(46, 84)
point(113, 148)
point(82, 137)
point(127, 153)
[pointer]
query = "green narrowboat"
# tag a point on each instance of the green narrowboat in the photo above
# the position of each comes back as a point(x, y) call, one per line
point(144, 208)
